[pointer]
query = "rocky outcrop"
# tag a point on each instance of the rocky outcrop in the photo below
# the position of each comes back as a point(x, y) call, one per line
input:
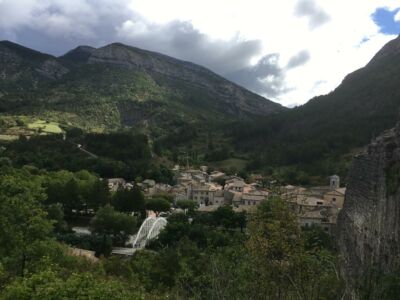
point(369, 223)
point(52, 69)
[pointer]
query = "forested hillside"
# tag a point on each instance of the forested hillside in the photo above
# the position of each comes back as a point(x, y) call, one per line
point(316, 135)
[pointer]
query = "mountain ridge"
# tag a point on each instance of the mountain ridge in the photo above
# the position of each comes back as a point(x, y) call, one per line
point(120, 55)
point(178, 105)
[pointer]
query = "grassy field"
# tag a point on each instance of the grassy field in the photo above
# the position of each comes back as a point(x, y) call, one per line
point(7, 137)
point(46, 127)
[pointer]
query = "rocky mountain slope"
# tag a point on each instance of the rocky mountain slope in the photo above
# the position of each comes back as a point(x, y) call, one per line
point(118, 85)
point(369, 224)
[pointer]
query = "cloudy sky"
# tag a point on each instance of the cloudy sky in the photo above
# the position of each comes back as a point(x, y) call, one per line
point(288, 51)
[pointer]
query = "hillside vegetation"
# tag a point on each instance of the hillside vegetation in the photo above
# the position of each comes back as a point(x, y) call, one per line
point(315, 136)
point(190, 114)
point(120, 86)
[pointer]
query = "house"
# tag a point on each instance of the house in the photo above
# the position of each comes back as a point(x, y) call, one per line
point(149, 183)
point(147, 186)
point(180, 196)
point(215, 175)
point(323, 217)
point(219, 198)
point(184, 178)
point(336, 197)
point(129, 186)
point(233, 178)
point(236, 198)
point(162, 188)
point(188, 176)
point(203, 169)
point(253, 197)
point(199, 178)
point(204, 193)
point(181, 192)
point(115, 184)
point(316, 205)
point(291, 193)
point(235, 185)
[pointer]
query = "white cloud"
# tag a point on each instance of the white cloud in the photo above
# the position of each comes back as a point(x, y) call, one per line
point(323, 40)
point(309, 8)
point(397, 17)
point(334, 49)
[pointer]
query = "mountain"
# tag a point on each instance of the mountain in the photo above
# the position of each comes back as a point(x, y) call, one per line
point(80, 54)
point(22, 68)
point(118, 85)
point(322, 130)
point(179, 103)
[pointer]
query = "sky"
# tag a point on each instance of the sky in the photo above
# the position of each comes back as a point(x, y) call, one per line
point(287, 51)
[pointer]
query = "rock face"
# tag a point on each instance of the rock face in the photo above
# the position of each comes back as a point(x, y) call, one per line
point(369, 224)
point(52, 69)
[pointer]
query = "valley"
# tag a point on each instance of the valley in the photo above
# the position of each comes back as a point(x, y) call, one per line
point(252, 200)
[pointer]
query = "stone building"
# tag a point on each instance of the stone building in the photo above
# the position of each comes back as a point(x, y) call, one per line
point(114, 184)
point(336, 197)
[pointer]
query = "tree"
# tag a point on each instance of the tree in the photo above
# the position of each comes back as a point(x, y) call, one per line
point(126, 200)
point(167, 196)
point(22, 219)
point(54, 184)
point(158, 205)
point(274, 238)
point(186, 204)
point(99, 194)
point(315, 237)
point(49, 284)
point(177, 227)
point(72, 198)
point(56, 214)
point(109, 221)
point(225, 216)
point(5, 162)
point(113, 226)
point(283, 267)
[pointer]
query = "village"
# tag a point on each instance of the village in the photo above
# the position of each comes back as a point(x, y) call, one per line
point(318, 205)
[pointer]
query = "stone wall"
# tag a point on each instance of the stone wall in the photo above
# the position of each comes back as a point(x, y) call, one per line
point(369, 224)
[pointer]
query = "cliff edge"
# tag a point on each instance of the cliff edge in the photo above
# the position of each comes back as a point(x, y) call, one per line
point(369, 223)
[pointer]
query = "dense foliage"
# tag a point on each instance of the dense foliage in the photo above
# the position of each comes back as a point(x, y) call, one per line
point(223, 254)
point(315, 136)
point(110, 155)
